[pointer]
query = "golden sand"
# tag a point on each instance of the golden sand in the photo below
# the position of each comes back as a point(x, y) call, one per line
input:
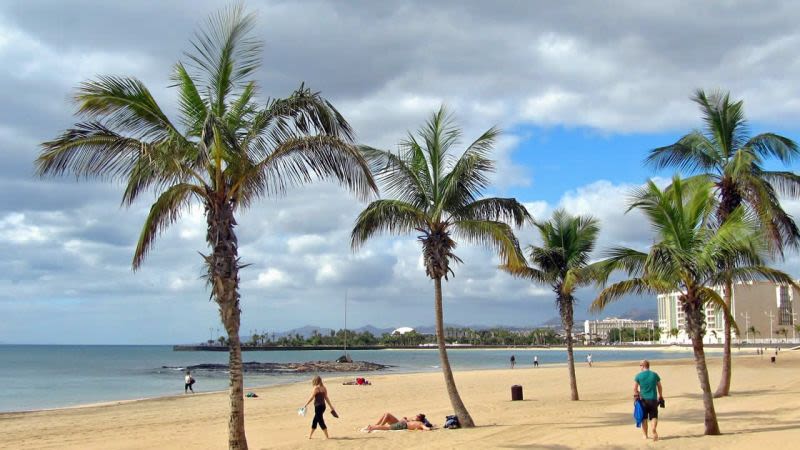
point(763, 412)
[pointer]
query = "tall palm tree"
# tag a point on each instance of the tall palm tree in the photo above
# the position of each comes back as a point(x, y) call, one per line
point(560, 261)
point(735, 162)
point(226, 151)
point(438, 194)
point(685, 257)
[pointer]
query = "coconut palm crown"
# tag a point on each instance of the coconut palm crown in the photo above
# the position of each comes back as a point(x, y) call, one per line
point(735, 162)
point(436, 193)
point(560, 262)
point(226, 151)
point(689, 245)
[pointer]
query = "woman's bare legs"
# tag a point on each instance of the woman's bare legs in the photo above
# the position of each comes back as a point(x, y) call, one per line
point(387, 419)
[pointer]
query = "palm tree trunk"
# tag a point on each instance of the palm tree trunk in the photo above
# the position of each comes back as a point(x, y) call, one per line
point(223, 275)
point(455, 400)
point(567, 320)
point(694, 319)
point(724, 387)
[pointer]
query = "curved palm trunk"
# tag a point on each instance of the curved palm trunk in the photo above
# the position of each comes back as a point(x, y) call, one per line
point(567, 321)
point(694, 321)
point(455, 400)
point(724, 387)
point(223, 275)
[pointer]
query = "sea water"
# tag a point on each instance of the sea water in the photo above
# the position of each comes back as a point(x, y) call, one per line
point(52, 376)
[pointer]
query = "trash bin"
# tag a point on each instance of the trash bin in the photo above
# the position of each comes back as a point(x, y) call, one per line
point(516, 392)
point(772, 359)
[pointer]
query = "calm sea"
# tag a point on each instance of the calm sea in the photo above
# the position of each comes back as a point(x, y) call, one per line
point(49, 376)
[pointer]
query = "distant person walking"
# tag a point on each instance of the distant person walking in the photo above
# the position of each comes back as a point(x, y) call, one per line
point(535, 361)
point(188, 382)
point(589, 359)
point(647, 388)
point(513, 361)
point(319, 395)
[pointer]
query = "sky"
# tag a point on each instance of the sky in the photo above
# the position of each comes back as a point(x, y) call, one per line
point(581, 92)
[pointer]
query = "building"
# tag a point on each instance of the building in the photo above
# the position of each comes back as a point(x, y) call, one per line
point(598, 330)
point(765, 312)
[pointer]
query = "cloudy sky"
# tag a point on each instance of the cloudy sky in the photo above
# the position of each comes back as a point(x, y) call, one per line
point(581, 92)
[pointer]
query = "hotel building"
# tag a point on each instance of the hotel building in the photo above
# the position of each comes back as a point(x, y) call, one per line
point(766, 312)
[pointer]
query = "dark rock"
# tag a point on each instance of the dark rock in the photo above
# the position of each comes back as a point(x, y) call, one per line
point(309, 366)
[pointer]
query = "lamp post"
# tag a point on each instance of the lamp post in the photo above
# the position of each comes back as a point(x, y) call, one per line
point(770, 315)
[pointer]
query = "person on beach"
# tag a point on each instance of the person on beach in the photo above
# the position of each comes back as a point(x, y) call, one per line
point(589, 359)
point(647, 388)
point(513, 361)
point(319, 395)
point(188, 382)
point(535, 361)
point(391, 423)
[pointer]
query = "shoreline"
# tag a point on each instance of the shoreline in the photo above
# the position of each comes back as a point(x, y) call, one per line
point(763, 411)
point(346, 375)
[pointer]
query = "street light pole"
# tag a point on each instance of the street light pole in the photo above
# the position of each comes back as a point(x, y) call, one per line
point(770, 315)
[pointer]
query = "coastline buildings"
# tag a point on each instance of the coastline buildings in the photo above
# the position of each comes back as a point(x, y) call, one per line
point(594, 330)
point(766, 312)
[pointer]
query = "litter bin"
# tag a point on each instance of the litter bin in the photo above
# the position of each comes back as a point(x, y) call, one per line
point(772, 359)
point(516, 392)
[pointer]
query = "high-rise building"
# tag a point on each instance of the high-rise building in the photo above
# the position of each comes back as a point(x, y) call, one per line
point(765, 312)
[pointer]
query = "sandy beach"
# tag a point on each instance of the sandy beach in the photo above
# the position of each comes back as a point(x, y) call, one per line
point(763, 411)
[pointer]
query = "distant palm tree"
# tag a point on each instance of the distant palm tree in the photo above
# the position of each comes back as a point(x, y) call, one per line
point(685, 258)
point(567, 242)
point(735, 163)
point(438, 194)
point(674, 333)
point(226, 151)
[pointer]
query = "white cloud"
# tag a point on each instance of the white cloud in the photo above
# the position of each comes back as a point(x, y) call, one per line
point(272, 277)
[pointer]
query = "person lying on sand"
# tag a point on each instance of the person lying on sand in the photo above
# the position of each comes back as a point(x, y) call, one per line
point(390, 422)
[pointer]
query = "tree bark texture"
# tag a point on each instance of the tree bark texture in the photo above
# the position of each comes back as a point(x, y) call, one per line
point(724, 387)
point(567, 320)
point(455, 399)
point(695, 319)
point(223, 275)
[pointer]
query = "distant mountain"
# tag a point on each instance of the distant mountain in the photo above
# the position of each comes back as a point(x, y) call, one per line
point(374, 330)
point(640, 314)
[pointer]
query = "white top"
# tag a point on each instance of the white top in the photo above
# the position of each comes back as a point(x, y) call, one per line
point(188, 378)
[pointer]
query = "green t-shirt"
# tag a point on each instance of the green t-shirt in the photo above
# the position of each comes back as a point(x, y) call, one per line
point(648, 381)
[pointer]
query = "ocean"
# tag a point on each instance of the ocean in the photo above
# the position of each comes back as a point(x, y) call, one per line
point(52, 376)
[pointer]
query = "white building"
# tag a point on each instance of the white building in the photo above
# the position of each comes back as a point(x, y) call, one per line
point(599, 329)
point(402, 330)
point(765, 312)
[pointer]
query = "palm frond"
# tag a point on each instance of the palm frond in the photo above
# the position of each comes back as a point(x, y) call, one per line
point(164, 212)
point(390, 216)
point(507, 210)
point(225, 53)
point(528, 273)
point(692, 153)
point(305, 159)
point(125, 105)
point(492, 234)
point(396, 177)
point(90, 150)
point(618, 290)
point(190, 103)
point(774, 145)
point(470, 174)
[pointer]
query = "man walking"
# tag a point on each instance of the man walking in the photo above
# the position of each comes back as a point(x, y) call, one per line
point(647, 387)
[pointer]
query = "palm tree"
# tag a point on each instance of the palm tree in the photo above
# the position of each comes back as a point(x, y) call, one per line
point(685, 257)
point(735, 163)
point(753, 330)
point(567, 242)
point(674, 332)
point(226, 151)
point(438, 194)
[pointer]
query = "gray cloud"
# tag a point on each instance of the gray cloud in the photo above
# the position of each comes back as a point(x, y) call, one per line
point(626, 67)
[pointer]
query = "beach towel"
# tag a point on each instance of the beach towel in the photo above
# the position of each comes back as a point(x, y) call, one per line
point(638, 412)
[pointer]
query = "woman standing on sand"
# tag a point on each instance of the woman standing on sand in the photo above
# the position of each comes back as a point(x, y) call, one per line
point(319, 395)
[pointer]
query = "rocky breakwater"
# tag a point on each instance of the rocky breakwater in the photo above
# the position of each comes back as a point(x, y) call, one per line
point(304, 367)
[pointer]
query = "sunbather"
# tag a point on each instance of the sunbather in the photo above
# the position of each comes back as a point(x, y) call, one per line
point(390, 422)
